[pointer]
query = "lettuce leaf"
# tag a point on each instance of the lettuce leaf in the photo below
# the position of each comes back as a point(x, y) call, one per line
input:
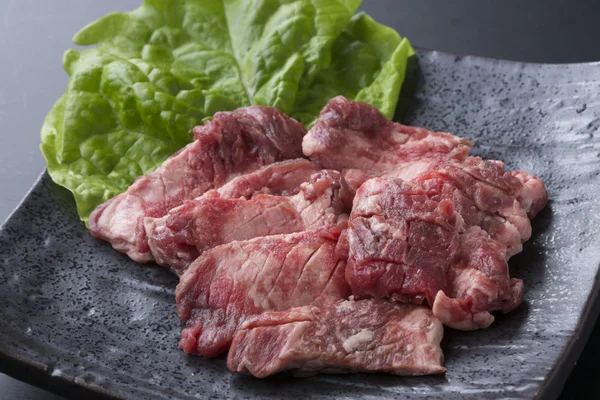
point(157, 71)
point(369, 65)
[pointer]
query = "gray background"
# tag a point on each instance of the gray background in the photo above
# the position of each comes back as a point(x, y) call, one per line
point(34, 34)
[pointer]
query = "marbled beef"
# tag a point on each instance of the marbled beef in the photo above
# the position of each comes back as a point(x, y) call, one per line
point(348, 336)
point(355, 135)
point(400, 241)
point(186, 231)
point(233, 281)
point(280, 179)
point(232, 144)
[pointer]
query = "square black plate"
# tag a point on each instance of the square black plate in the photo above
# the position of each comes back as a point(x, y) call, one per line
point(80, 318)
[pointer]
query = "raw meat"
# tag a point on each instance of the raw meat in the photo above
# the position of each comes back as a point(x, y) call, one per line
point(488, 208)
point(400, 242)
point(324, 200)
point(495, 207)
point(488, 182)
point(186, 231)
point(281, 179)
point(355, 138)
point(462, 286)
point(348, 336)
point(484, 195)
point(178, 238)
point(354, 135)
point(533, 195)
point(268, 245)
point(231, 282)
point(478, 283)
point(233, 143)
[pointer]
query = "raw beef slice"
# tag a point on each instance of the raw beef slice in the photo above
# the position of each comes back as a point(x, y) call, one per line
point(485, 195)
point(400, 242)
point(492, 222)
point(495, 207)
point(281, 179)
point(231, 282)
point(493, 211)
point(186, 231)
point(355, 135)
point(348, 336)
point(233, 143)
point(478, 284)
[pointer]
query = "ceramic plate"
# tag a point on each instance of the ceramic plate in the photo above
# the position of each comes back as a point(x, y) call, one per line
point(79, 318)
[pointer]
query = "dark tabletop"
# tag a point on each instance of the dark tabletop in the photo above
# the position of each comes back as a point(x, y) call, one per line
point(34, 34)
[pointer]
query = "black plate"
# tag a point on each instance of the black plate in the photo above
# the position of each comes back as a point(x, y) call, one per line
point(80, 318)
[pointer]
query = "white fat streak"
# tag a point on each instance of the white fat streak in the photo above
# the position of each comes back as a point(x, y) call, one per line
point(399, 137)
point(356, 340)
point(345, 305)
point(311, 146)
point(116, 220)
point(379, 226)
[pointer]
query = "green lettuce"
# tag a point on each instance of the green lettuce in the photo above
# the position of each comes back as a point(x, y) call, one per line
point(156, 72)
point(369, 65)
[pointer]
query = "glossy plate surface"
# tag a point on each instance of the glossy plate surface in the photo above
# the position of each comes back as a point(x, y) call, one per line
point(81, 318)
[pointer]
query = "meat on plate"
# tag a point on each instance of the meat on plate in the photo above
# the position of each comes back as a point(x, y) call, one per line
point(350, 259)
